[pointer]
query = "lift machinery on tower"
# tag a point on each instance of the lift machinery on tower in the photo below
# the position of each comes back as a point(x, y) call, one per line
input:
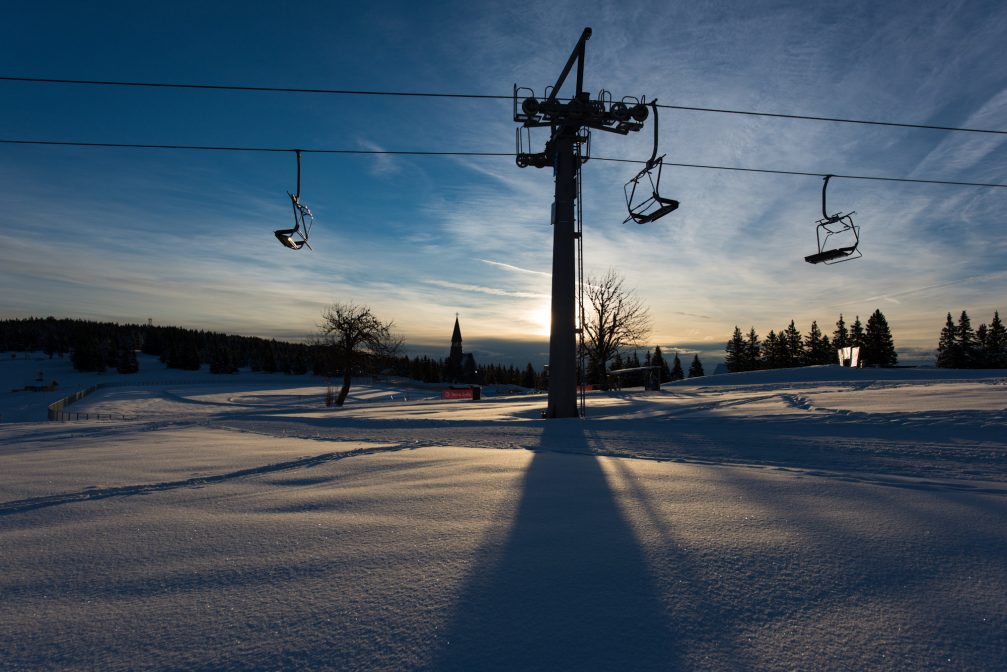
point(570, 121)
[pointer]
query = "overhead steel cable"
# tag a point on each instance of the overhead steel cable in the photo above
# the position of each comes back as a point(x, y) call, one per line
point(421, 94)
point(811, 174)
point(397, 152)
point(222, 148)
point(840, 120)
point(269, 89)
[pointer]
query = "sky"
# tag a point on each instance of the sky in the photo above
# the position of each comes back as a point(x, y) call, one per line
point(186, 238)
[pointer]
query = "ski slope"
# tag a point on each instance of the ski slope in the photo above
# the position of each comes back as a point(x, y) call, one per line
point(818, 518)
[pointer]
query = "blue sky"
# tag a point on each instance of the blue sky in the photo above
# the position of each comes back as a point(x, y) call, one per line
point(186, 237)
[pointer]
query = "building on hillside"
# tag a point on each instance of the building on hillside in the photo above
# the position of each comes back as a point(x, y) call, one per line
point(461, 366)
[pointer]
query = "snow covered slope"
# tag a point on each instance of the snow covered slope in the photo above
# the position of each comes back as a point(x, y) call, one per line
point(808, 519)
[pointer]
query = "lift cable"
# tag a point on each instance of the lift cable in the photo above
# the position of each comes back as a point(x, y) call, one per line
point(473, 96)
point(215, 148)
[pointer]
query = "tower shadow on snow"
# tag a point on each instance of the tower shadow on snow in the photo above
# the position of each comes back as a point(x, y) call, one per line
point(568, 588)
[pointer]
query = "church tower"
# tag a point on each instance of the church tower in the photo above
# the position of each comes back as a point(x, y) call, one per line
point(461, 366)
point(456, 347)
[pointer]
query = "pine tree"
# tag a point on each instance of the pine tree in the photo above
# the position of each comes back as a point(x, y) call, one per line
point(795, 345)
point(753, 351)
point(88, 354)
point(659, 361)
point(817, 349)
point(220, 361)
point(696, 369)
point(770, 351)
point(841, 336)
point(982, 346)
point(966, 342)
point(737, 352)
point(996, 344)
point(528, 380)
point(879, 348)
point(948, 351)
point(126, 361)
point(857, 333)
point(676, 369)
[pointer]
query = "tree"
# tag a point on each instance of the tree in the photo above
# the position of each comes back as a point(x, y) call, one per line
point(753, 350)
point(617, 319)
point(817, 349)
point(966, 342)
point(770, 351)
point(736, 349)
point(354, 333)
point(386, 351)
point(841, 336)
point(795, 345)
point(948, 353)
point(126, 361)
point(982, 346)
point(529, 377)
point(857, 333)
point(996, 344)
point(676, 369)
point(89, 354)
point(878, 348)
point(696, 369)
point(658, 360)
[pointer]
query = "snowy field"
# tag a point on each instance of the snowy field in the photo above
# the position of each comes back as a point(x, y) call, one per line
point(811, 519)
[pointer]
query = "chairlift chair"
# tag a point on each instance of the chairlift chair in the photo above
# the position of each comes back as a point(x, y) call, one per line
point(839, 225)
point(297, 237)
point(643, 197)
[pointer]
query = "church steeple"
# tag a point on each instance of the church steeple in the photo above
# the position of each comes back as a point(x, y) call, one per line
point(461, 367)
point(456, 337)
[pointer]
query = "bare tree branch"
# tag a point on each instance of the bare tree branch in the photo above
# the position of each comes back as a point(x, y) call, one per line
point(354, 332)
point(615, 318)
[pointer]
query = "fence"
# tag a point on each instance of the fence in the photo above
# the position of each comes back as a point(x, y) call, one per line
point(56, 407)
point(64, 416)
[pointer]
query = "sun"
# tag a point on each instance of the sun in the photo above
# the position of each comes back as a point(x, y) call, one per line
point(541, 319)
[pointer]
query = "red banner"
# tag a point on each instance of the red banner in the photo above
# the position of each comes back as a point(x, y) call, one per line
point(457, 394)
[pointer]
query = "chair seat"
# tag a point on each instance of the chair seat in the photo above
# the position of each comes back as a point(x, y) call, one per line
point(286, 236)
point(667, 205)
point(829, 255)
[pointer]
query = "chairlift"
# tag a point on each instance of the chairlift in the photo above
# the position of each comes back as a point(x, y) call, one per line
point(839, 225)
point(297, 237)
point(643, 196)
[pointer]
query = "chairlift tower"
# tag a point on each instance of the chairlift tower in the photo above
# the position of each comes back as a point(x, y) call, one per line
point(570, 121)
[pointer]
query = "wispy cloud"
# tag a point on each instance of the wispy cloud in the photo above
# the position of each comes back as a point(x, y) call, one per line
point(516, 269)
point(494, 291)
point(381, 165)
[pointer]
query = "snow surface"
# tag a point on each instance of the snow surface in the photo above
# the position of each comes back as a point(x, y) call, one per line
point(807, 519)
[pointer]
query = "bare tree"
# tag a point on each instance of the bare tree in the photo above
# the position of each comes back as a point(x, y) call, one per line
point(354, 333)
point(386, 350)
point(615, 318)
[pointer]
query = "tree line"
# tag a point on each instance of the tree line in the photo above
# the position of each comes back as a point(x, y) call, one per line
point(100, 346)
point(789, 348)
point(667, 373)
point(961, 347)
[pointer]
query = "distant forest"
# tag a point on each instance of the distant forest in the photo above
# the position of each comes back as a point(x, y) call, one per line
point(100, 346)
point(959, 346)
point(789, 348)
